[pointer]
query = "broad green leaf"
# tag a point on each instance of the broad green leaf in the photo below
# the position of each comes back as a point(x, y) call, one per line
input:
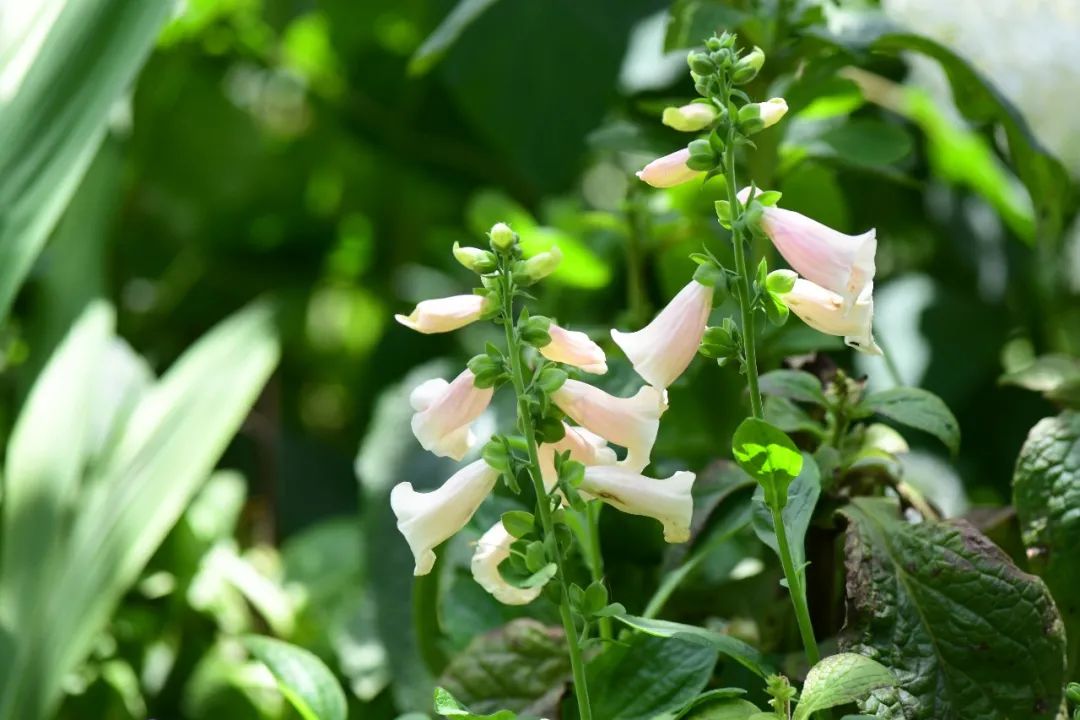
point(53, 123)
point(790, 417)
point(446, 34)
point(736, 649)
point(509, 669)
point(648, 677)
point(767, 455)
point(303, 679)
point(448, 706)
point(1055, 376)
point(840, 680)
point(915, 408)
point(866, 142)
point(1046, 493)
point(966, 633)
point(725, 709)
point(802, 499)
point(166, 447)
point(793, 385)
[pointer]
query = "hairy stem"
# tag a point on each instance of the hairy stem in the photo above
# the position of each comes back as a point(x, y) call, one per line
point(543, 501)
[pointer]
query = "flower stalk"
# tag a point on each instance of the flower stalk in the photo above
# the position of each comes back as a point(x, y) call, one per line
point(543, 501)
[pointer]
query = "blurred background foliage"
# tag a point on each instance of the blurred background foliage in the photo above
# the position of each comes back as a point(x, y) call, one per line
point(328, 153)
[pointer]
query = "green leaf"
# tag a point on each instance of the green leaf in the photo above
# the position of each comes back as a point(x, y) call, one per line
point(736, 649)
point(802, 499)
point(518, 523)
point(915, 408)
point(303, 679)
point(53, 124)
point(867, 142)
point(1055, 376)
point(166, 447)
point(511, 668)
point(966, 633)
point(648, 676)
point(722, 709)
point(767, 455)
point(794, 385)
point(839, 680)
point(789, 417)
point(448, 706)
point(446, 34)
point(1046, 493)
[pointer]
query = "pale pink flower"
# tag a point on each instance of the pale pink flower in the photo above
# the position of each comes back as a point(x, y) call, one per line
point(444, 314)
point(445, 411)
point(841, 263)
point(663, 349)
point(669, 170)
point(574, 348)
point(427, 519)
point(585, 447)
point(824, 311)
point(668, 501)
point(491, 549)
point(630, 422)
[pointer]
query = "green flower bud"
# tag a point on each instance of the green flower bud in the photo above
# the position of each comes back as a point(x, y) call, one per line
point(779, 282)
point(690, 118)
point(475, 259)
point(539, 266)
point(502, 237)
point(748, 67)
point(700, 63)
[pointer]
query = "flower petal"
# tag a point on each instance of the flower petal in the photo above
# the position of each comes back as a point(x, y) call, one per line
point(491, 549)
point(445, 412)
point(668, 501)
point(444, 314)
point(669, 170)
point(824, 311)
point(630, 422)
point(574, 348)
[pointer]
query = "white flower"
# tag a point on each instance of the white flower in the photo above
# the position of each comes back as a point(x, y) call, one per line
point(429, 519)
point(663, 349)
point(444, 314)
point(444, 412)
point(669, 170)
point(630, 422)
point(668, 501)
point(585, 447)
point(773, 110)
point(824, 311)
point(574, 348)
point(491, 549)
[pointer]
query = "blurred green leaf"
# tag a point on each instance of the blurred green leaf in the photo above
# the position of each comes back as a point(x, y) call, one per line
point(448, 706)
point(792, 384)
point(446, 34)
point(52, 124)
point(915, 408)
point(302, 677)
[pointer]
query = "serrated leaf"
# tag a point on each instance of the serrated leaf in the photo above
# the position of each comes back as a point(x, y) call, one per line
point(1046, 493)
point(966, 633)
point(839, 680)
point(792, 384)
point(915, 408)
point(648, 677)
point(303, 679)
point(736, 649)
point(509, 669)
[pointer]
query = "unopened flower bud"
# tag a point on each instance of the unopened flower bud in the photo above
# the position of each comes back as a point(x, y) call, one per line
point(690, 118)
point(773, 110)
point(781, 281)
point(502, 237)
point(669, 170)
point(475, 259)
point(700, 63)
point(541, 265)
point(748, 67)
point(758, 116)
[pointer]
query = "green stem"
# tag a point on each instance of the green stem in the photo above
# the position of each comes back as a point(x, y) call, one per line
point(796, 590)
point(596, 558)
point(543, 503)
point(794, 579)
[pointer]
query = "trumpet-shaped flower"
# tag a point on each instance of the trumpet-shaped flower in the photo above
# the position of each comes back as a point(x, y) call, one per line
point(444, 314)
point(663, 349)
point(841, 263)
point(824, 311)
point(574, 348)
point(491, 549)
point(445, 411)
point(427, 519)
point(585, 447)
point(669, 170)
point(668, 501)
point(630, 422)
